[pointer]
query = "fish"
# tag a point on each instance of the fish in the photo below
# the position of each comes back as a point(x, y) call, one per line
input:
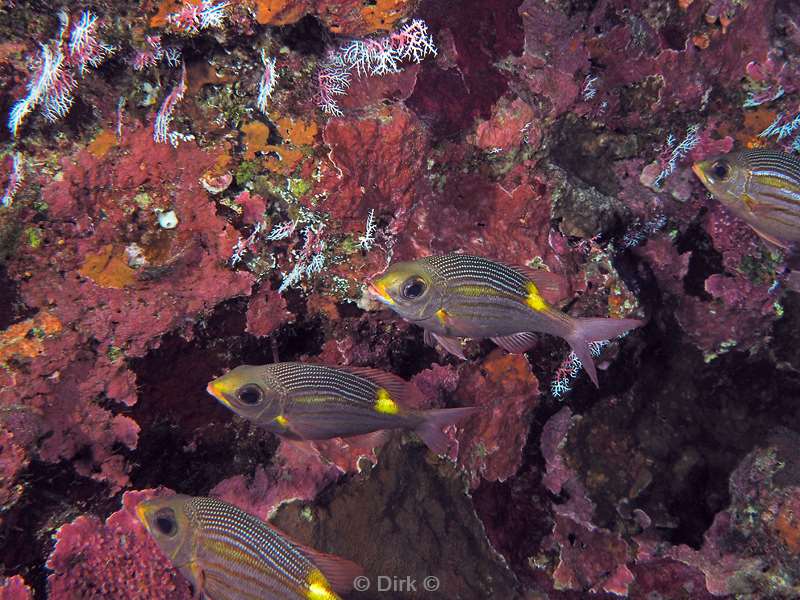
point(307, 402)
point(761, 187)
point(228, 554)
point(457, 296)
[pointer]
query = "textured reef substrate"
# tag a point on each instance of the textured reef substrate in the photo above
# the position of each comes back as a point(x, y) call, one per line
point(169, 226)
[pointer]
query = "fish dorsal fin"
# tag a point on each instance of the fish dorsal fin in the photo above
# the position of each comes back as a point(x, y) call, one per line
point(400, 391)
point(552, 286)
point(519, 343)
point(339, 572)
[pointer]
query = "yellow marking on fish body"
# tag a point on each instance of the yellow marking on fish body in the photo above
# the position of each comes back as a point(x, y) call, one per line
point(534, 299)
point(478, 291)
point(384, 403)
point(777, 182)
point(318, 587)
point(442, 315)
point(281, 420)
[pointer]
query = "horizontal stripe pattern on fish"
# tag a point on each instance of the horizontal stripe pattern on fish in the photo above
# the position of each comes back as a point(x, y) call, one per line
point(467, 270)
point(243, 553)
point(771, 163)
point(300, 380)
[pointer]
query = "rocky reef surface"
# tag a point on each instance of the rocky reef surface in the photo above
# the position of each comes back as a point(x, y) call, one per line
point(189, 186)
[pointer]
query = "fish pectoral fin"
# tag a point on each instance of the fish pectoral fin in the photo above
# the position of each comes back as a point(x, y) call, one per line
point(451, 344)
point(519, 343)
point(199, 578)
point(306, 447)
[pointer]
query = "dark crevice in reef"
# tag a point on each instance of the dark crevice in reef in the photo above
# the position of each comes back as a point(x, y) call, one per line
point(12, 308)
point(178, 418)
point(704, 260)
point(53, 494)
point(679, 434)
point(308, 36)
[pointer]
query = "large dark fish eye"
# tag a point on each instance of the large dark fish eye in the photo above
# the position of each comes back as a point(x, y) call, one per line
point(721, 169)
point(165, 522)
point(250, 394)
point(414, 288)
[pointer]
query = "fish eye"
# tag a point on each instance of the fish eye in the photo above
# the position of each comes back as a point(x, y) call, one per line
point(165, 522)
point(414, 288)
point(250, 394)
point(721, 169)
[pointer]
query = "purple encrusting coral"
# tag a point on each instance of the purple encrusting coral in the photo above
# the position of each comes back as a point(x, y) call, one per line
point(214, 183)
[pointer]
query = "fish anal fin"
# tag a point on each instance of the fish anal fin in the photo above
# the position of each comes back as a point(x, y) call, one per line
point(452, 345)
point(518, 343)
point(772, 240)
point(376, 439)
point(199, 579)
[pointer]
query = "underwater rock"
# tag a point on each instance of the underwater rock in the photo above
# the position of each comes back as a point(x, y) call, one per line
point(753, 547)
point(421, 508)
point(583, 211)
point(106, 310)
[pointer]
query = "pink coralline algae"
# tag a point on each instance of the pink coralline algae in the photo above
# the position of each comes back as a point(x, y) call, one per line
point(511, 125)
point(14, 588)
point(298, 473)
point(553, 135)
point(266, 311)
point(115, 559)
point(380, 154)
point(506, 392)
point(89, 285)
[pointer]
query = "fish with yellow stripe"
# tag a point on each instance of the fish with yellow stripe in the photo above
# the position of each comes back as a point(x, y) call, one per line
point(459, 296)
point(228, 554)
point(302, 401)
point(760, 186)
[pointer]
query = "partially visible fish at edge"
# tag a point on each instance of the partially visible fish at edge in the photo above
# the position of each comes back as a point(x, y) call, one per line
point(228, 554)
point(760, 186)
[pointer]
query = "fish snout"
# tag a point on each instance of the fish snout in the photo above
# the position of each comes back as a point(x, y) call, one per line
point(378, 291)
point(701, 169)
point(215, 389)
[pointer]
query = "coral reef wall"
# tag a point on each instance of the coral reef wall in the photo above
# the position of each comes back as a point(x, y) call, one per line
point(189, 186)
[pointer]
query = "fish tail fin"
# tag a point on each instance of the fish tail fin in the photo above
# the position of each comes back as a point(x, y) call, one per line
point(430, 429)
point(595, 330)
